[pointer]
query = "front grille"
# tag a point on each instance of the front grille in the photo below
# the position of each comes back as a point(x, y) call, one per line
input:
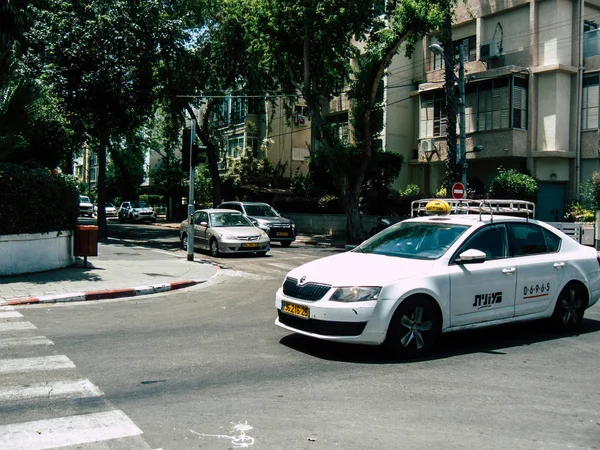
point(279, 225)
point(247, 238)
point(310, 291)
point(322, 327)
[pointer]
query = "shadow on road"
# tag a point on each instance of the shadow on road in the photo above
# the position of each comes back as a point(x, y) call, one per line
point(494, 340)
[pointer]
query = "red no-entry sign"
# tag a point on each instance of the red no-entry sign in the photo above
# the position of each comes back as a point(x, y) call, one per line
point(458, 191)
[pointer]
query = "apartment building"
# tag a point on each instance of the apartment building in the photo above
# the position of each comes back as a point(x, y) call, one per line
point(532, 93)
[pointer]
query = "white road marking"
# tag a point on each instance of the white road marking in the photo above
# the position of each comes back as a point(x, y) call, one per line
point(10, 314)
point(7, 308)
point(64, 431)
point(282, 266)
point(71, 389)
point(25, 342)
point(42, 363)
point(16, 326)
point(170, 254)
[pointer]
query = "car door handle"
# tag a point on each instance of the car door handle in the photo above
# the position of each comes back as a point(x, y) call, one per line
point(559, 265)
point(509, 271)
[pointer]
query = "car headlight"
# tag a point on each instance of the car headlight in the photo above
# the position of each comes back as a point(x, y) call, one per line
point(293, 225)
point(263, 234)
point(356, 294)
point(229, 237)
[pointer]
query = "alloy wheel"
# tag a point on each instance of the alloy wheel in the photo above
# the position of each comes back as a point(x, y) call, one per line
point(415, 326)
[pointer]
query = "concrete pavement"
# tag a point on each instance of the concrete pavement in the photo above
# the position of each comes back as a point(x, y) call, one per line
point(120, 270)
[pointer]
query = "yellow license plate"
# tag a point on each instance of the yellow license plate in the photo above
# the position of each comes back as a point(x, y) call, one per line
point(282, 233)
point(250, 245)
point(297, 310)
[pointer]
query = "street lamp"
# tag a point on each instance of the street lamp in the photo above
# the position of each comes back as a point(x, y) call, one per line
point(461, 156)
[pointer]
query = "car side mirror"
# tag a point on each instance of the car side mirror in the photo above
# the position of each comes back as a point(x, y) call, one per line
point(254, 222)
point(471, 256)
point(203, 224)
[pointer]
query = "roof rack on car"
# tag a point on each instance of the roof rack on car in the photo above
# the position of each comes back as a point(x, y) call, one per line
point(471, 206)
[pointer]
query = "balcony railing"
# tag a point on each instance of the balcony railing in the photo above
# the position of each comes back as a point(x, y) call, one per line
point(339, 103)
point(591, 43)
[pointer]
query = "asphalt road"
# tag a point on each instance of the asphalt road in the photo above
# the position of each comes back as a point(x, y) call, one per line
point(206, 368)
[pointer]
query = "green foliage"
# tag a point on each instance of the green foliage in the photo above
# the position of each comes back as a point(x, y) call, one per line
point(330, 204)
point(442, 193)
point(594, 190)
point(512, 184)
point(576, 212)
point(412, 190)
point(587, 194)
point(152, 199)
point(36, 200)
point(203, 187)
point(301, 185)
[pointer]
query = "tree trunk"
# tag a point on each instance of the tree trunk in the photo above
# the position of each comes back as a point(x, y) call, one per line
point(203, 132)
point(102, 230)
point(350, 193)
point(452, 174)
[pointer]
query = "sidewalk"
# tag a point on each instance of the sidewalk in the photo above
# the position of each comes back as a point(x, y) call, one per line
point(121, 269)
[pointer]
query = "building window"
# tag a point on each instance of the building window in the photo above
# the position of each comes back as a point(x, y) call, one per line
point(470, 52)
point(589, 25)
point(235, 146)
point(433, 114)
point(589, 113)
point(495, 104)
point(519, 105)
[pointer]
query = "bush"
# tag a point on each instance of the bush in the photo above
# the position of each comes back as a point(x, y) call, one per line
point(36, 200)
point(152, 199)
point(511, 184)
point(412, 190)
point(578, 213)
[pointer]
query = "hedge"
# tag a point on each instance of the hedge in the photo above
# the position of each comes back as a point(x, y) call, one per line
point(36, 200)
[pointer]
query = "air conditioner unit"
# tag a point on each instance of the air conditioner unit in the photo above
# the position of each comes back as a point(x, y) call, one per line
point(489, 50)
point(427, 145)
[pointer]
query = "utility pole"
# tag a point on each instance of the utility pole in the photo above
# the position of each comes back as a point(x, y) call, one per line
point(190, 246)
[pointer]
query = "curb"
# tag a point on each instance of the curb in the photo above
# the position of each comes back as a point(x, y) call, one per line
point(104, 294)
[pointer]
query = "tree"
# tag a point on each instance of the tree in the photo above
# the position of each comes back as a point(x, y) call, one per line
point(99, 58)
point(512, 184)
point(308, 47)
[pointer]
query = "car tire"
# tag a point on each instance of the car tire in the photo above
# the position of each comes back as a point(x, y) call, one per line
point(414, 328)
point(214, 248)
point(286, 244)
point(184, 241)
point(569, 309)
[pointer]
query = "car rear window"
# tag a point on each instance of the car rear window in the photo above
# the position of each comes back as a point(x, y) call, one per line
point(260, 210)
point(417, 240)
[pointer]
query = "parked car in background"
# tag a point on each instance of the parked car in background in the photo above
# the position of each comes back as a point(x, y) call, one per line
point(136, 211)
point(86, 208)
point(222, 231)
point(110, 210)
point(278, 228)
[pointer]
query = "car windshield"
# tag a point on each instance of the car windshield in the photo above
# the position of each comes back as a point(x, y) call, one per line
point(416, 240)
point(84, 199)
point(108, 205)
point(139, 204)
point(229, 219)
point(260, 211)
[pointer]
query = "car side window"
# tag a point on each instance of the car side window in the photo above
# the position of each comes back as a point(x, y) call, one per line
point(527, 239)
point(197, 218)
point(552, 241)
point(490, 240)
point(203, 217)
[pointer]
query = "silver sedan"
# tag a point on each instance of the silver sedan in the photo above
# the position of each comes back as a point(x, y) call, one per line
point(222, 231)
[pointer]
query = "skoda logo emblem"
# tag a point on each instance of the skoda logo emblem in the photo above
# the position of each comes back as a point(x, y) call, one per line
point(302, 280)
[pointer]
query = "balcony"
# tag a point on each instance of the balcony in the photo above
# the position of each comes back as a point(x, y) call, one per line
point(339, 104)
point(591, 43)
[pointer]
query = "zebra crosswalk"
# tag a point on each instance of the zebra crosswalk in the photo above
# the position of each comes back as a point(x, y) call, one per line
point(44, 403)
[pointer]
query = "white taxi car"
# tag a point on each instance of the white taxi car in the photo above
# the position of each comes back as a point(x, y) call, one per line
point(471, 267)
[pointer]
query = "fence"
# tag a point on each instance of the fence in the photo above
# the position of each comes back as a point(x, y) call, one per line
point(581, 232)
